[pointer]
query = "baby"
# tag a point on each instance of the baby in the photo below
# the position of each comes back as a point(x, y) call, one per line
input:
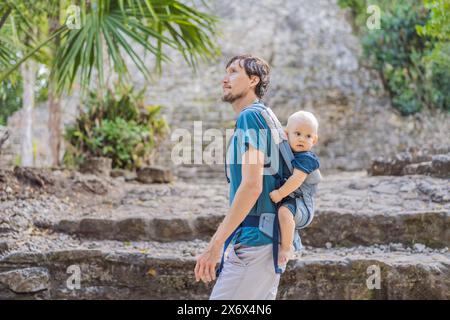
point(301, 130)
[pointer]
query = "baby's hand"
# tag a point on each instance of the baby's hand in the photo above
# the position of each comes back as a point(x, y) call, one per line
point(275, 196)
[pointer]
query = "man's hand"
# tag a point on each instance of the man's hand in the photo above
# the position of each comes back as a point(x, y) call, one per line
point(285, 254)
point(275, 196)
point(205, 269)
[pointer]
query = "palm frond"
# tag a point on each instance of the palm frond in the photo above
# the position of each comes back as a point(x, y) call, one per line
point(115, 28)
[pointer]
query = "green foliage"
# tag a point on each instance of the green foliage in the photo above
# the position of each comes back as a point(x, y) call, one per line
point(41, 89)
point(17, 161)
point(10, 99)
point(35, 150)
point(406, 51)
point(438, 26)
point(117, 126)
point(11, 91)
point(113, 33)
point(438, 60)
point(357, 9)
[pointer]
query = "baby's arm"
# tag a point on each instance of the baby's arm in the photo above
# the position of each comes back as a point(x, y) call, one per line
point(291, 184)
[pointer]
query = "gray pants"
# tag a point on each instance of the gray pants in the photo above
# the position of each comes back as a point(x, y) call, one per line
point(248, 274)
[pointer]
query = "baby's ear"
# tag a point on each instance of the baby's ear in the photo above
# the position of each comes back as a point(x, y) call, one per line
point(316, 139)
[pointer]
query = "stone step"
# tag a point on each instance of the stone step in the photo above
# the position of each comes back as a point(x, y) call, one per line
point(149, 270)
point(352, 209)
point(338, 227)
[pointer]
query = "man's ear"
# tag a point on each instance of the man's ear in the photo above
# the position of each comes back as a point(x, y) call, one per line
point(254, 80)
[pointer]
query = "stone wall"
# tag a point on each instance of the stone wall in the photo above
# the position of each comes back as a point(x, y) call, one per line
point(315, 66)
point(42, 154)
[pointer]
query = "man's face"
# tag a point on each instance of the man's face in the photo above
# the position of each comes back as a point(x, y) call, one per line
point(236, 83)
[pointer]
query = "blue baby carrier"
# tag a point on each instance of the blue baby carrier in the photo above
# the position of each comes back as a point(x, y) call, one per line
point(267, 222)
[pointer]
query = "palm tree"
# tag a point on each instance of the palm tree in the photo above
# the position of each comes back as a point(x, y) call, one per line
point(109, 31)
point(19, 34)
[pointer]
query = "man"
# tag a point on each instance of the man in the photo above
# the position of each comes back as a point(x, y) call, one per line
point(249, 272)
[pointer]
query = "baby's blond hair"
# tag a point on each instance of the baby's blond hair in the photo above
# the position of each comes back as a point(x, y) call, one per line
point(305, 116)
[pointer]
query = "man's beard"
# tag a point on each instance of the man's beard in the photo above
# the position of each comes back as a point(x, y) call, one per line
point(230, 98)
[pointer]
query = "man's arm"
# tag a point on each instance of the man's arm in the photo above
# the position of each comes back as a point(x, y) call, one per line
point(246, 196)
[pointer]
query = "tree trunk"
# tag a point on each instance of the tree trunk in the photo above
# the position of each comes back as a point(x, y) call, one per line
point(54, 100)
point(4, 135)
point(28, 70)
point(54, 124)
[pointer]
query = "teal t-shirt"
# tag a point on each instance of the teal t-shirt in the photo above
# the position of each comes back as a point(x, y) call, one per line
point(251, 129)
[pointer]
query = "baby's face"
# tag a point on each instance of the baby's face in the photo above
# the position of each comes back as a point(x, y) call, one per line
point(301, 136)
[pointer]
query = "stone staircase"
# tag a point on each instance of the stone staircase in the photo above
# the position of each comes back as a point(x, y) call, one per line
point(115, 272)
point(141, 243)
point(346, 228)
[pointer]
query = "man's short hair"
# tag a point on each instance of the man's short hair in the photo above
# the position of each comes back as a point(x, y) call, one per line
point(254, 66)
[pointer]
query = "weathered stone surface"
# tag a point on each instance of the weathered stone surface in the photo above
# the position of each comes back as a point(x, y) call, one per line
point(181, 229)
point(4, 135)
point(92, 227)
point(346, 278)
point(117, 173)
point(17, 258)
point(163, 230)
point(207, 224)
point(154, 174)
point(90, 184)
point(438, 192)
point(27, 280)
point(97, 165)
point(128, 175)
point(417, 168)
point(407, 163)
point(390, 167)
point(37, 178)
point(350, 229)
point(3, 247)
point(441, 165)
point(419, 247)
point(352, 209)
point(337, 226)
point(25, 183)
point(133, 228)
point(322, 274)
point(72, 255)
